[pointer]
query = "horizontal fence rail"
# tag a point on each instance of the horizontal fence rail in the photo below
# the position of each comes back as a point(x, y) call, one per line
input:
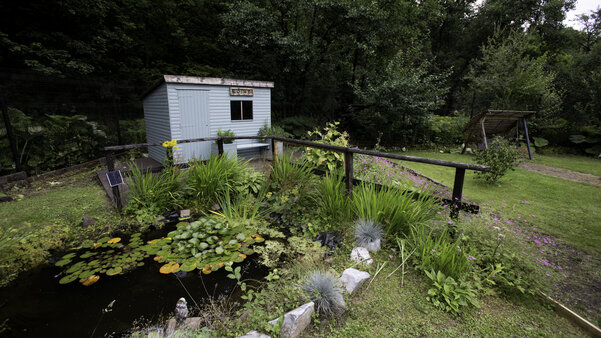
point(460, 168)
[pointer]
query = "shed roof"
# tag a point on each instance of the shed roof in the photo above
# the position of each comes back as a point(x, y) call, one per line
point(495, 121)
point(213, 81)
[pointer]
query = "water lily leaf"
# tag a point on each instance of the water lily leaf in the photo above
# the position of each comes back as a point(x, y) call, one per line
point(188, 266)
point(114, 240)
point(140, 264)
point(88, 254)
point(63, 262)
point(68, 279)
point(90, 280)
point(86, 274)
point(104, 239)
point(206, 270)
point(168, 268)
point(69, 255)
point(75, 267)
point(114, 271)
point(96, 245)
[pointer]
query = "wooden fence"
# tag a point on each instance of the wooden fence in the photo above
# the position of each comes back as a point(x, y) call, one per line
point(460, 168)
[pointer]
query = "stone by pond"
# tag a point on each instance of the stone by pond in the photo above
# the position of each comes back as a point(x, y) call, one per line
point(37, 305)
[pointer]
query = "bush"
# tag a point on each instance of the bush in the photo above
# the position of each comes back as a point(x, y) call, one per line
point(209, 180)
point(227, 133)
point(153, 194)
point(333, 203)
point(322, 288)
point(500, 157)
point(448, 295)
point(438, 252)
point(394, 208)
point(446, 130)
point(324, 159)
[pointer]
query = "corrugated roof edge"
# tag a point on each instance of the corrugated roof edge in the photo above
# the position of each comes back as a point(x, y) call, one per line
point(214, 81)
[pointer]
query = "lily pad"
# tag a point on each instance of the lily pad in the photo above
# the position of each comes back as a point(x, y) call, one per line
point(114, 240)
point(68, 279)
point(69, 255)
point(63, 262)
point(188, 266)
point(168, 268)
point(90, 280)
point(114, 271)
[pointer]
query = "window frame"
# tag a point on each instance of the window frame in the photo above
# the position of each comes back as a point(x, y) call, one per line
point(242, 111)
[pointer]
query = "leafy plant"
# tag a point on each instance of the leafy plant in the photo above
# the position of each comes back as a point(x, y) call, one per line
point(368, 234)
point(152, 194)
point(244, 206)
point(500, 157)
point(324, 159)
point(208, 180)
point(322, 288)
point(448, 295)
point(273, 131)
point(104, 256)
point(205, 244)
point(437, 251)
point(287, 171)
point(394, 208)
point(334, 205)
point(228, 132)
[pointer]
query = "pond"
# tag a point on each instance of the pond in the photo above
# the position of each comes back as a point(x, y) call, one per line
point(37, 305)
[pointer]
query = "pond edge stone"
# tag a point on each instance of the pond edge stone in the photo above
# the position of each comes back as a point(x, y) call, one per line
point(352, 279)
point(296, 320)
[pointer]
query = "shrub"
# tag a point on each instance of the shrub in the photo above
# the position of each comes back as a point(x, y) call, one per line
point(322, 288)
point(208, 180)
point(228, 132)
point(439, 252)
point(151, 194)
point(500, 157)
point(334, 205)
point(287, 172)
point(273, 131)
point(367, 233)
point(448, 295)
point(446, 130)
point(324, 159)
point(394, 208)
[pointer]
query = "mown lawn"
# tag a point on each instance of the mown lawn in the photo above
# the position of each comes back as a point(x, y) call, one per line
point(564, 209)
point(386, 308)
point(49, 217)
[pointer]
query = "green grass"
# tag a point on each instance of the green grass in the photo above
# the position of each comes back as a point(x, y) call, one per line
point(564, 209)
point(388, 309)
point(587, 165)
point(48, 218)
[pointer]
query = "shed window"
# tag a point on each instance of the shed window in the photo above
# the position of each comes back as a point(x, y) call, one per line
point(241, 110)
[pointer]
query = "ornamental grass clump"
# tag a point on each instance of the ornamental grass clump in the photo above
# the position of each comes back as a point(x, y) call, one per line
point(368, 234)
point(322, 287)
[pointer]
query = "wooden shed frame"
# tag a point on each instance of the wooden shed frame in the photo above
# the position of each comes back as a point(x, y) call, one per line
point(497, 122)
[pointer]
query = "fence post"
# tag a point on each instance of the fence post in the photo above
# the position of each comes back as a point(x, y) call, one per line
point(273, 150)
point(220, 147)
point(110, 165)
point(457, 192)
point(9, 133)
point(348, 172)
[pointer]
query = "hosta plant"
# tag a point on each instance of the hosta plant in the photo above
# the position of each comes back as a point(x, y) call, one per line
point(448, 295)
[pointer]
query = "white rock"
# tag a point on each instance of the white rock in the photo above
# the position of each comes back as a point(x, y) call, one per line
point(374, 246)
point(361, 254)
point(295, 321)
point(255, 334)
point(353, 278)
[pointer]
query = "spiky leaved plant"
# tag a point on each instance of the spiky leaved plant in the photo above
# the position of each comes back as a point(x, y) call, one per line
point(368, 234)
point(323, 289)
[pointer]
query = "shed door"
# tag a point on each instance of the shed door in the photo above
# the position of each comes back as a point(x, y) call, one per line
point(194, 114)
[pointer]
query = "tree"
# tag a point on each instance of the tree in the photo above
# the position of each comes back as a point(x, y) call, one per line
point(398, 99)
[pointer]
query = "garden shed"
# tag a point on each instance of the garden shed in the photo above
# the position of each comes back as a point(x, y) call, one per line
point(189, 107)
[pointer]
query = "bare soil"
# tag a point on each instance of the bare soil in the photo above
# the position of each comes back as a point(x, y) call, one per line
point(562, 173)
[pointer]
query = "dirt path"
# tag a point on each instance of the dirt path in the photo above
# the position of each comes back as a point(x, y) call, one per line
point(562, 173)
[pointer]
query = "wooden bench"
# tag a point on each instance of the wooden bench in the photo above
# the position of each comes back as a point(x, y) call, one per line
point(252, 145)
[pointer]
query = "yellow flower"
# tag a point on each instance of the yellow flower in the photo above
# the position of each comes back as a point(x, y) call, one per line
point(175, 148)
point(166, 144)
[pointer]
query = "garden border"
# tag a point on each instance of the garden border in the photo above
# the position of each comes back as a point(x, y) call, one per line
point(460, 168)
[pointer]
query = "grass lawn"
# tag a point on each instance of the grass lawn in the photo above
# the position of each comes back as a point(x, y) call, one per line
point(564, 209)
point(48, 217)
point(387, 309)
point(587, 165)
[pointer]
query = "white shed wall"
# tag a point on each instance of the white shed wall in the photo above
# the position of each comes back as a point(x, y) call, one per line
point(156, 116)
point(219, 112)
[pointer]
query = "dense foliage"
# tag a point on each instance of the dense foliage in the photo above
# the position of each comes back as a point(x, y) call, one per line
point(382, 68)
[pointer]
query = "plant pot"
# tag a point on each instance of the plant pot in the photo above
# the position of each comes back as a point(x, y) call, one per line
point(279, 147)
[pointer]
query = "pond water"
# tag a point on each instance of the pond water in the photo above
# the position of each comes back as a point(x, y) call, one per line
point(38, 306)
